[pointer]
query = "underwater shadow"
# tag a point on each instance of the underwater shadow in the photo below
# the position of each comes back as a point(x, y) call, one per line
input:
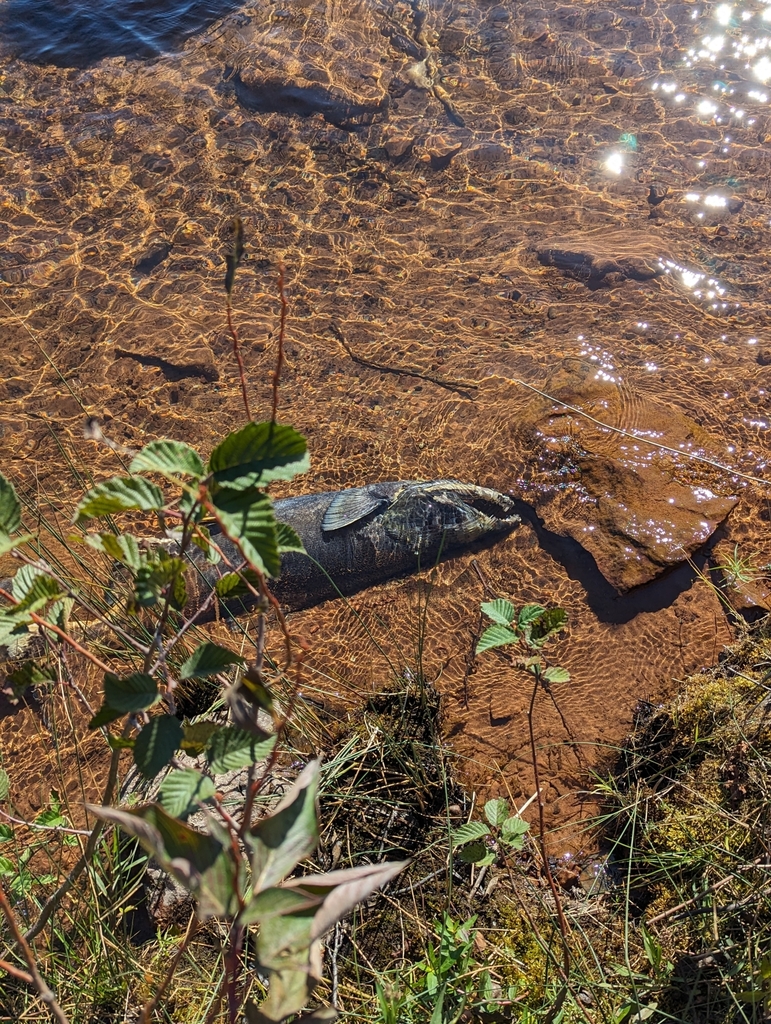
point(605, 601)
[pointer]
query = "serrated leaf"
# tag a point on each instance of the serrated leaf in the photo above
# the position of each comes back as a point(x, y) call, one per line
point(500, 611)
point(556, 674)
point(104, 716)
point(468, 832)
point(247, 518)
point(10, 507)
point(118, 495)
point(202, 863)
point(474, 853)
point(126, 694)
point(7, 866)
point(155, 575)
point(529, 614)
point(201, 538)
point(280, 841)
point(197, 735)
point(181, 792)
point(156, 744)
point(257, 454)
point(231, 585)
point(231, 748)
point(171, 459)
point(289, 539)
point(497, 810)
point(552, 621)
point(33, 589)
point(208, 660)
point(513, 832)
point(123, 548)
point(496, 636)
point(5, 784)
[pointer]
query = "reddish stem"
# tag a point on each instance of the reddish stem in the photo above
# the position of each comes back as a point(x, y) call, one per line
point(281, 333)
point(239, 360)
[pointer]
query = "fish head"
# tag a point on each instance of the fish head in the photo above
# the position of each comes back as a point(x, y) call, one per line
point(441, 514)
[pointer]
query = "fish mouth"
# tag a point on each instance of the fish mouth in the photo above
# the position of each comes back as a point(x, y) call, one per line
point(491, 505)
point(427, 517)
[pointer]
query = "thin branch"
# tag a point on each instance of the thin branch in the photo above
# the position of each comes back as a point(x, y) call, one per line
point(16, 972)
point(45, 994)
point(46, 828)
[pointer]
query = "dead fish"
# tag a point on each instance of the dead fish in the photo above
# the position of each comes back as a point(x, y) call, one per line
point(362, 536)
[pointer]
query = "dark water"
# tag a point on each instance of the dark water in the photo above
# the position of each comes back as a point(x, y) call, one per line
point(74, 34)
point(572, 197)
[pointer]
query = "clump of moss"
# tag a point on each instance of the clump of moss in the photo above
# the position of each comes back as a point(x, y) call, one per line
point(690, 819)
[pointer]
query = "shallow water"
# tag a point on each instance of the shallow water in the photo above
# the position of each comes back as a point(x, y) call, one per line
point(479, 197)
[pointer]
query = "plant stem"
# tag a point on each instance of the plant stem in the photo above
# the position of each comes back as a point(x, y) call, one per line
point(561, 919)
point(44, 992)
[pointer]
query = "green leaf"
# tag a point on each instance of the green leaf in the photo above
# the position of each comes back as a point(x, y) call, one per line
point(123, 548)
point(26, 675)
point(160, 571)
point(551, 622)
point(280, 841)
point(247, 518)
point(202, 863)
point(289, 539)
point(231, 585)
point(7, 867)
point(513, 831)
point(156, 744)
point(496, 636)
point(556, 674)
point(10, 507)
point(197, 735)
point(476, 853)
point(529, 614)
point(182, 791)
point(257, 454)
point(120, 742)
point(130, 693)
point(117, 495)
point(497, 810)
point(208, 660)
point(9, 543)
point(499, 611)
point(171, 459)
point(34, 589)
point(5, 784)
point(6, 833)
point(232, 748)
point(104, 716)
point(468, 833)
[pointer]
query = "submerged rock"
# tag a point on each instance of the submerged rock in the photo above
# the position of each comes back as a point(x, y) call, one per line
point(602, 258)
point(636, 508)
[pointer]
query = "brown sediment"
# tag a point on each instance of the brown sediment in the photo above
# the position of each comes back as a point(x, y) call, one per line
point(417, 235)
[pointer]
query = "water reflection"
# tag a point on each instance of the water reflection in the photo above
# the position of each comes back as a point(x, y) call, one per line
point(79, 33)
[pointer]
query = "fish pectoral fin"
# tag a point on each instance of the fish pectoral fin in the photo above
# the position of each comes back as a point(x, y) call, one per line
point(349, 507)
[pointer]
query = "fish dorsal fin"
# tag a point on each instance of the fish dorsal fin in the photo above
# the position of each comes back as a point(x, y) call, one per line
point(349, 507)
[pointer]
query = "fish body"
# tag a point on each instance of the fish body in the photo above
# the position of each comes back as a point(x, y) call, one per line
point(362, 536)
